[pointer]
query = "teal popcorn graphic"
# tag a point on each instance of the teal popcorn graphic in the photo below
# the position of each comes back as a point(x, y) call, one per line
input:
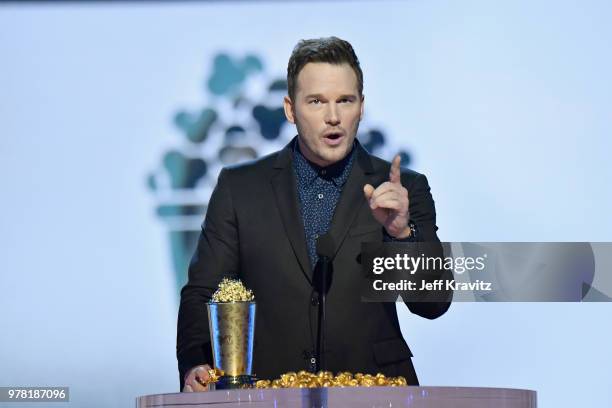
point(243, 119)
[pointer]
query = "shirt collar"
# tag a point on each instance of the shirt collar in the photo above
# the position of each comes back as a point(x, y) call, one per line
point(308, 171)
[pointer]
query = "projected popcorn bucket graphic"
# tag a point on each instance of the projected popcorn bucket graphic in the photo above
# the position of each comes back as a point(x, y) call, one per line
point(239, 124)
point(232, 330)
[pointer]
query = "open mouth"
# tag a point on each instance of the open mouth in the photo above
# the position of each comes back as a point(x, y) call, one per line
point(333, 138)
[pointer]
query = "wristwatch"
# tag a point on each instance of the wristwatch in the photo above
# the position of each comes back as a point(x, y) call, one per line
point(412, 238)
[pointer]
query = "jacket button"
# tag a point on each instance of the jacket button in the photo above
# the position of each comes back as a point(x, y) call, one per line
point(314, 300)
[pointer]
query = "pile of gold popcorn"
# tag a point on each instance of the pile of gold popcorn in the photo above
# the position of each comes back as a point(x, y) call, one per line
point(232, 290)
point(304, 379)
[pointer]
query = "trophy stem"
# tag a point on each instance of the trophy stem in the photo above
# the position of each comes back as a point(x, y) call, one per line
point(230, 382)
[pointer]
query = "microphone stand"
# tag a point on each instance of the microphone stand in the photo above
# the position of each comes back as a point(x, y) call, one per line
point(325, 266)
point(321, 282)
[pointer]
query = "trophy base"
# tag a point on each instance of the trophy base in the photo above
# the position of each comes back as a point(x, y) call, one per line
point(231, 382)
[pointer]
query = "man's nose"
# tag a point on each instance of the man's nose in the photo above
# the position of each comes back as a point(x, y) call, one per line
point(331, 117)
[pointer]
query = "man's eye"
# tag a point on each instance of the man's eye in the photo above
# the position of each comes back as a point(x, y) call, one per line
point(345, 100)
point(315, 101)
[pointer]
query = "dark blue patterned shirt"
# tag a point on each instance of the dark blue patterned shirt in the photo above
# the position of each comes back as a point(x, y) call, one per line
point(319, 189)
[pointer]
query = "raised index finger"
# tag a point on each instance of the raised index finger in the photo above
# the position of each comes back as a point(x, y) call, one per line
point(394, 174)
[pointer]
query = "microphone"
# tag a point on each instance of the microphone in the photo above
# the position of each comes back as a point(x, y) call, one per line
point(321, 281)
point(326, 246)
point(322, 276)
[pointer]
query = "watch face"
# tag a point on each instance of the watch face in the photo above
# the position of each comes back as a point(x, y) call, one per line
point(413, 230)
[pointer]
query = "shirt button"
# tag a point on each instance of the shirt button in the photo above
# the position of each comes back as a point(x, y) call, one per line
point(320, 196)
point(323, 172)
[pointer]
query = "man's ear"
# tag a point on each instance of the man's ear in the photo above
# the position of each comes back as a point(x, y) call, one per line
point(288, 106)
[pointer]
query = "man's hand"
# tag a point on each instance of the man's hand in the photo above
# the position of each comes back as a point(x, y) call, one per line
point(197, 378)
point(389, 203)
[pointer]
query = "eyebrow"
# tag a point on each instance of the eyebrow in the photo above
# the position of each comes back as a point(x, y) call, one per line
point(344, 96)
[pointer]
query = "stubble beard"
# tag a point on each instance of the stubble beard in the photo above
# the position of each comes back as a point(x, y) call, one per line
point(319, 153)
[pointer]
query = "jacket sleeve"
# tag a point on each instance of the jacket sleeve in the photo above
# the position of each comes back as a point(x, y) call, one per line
point(423, 213)
point(216, 257)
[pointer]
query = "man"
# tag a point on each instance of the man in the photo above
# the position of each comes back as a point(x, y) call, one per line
point(264, 218)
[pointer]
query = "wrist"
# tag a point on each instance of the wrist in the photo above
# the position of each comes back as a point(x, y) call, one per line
point(406, 233)
point(409, 234)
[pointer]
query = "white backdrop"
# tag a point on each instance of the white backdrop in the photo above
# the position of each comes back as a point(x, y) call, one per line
point(506, 107)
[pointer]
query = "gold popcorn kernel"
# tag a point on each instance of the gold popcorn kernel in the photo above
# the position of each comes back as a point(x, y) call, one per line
point(215, 373)
point(368, 382)
point(288, 378)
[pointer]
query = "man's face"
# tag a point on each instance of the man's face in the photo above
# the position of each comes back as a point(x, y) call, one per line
point(326, 111)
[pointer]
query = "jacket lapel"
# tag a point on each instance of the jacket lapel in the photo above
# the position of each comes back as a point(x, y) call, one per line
point(285, 190)
point(352, 198)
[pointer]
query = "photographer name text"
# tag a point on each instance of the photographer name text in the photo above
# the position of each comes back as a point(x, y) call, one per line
point(438, 284)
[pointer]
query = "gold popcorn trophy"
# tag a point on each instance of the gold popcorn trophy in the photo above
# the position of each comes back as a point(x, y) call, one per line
point(231, 319)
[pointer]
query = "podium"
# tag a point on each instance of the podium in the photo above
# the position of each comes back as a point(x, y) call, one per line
point(353, 397)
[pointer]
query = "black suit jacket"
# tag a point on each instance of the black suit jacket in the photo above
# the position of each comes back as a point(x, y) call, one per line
point(253, 230)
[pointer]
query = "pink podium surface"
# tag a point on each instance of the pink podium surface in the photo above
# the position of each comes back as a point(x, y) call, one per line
point(359, 397)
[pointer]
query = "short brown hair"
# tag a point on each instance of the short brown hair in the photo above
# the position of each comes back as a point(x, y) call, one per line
point(332, 50)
